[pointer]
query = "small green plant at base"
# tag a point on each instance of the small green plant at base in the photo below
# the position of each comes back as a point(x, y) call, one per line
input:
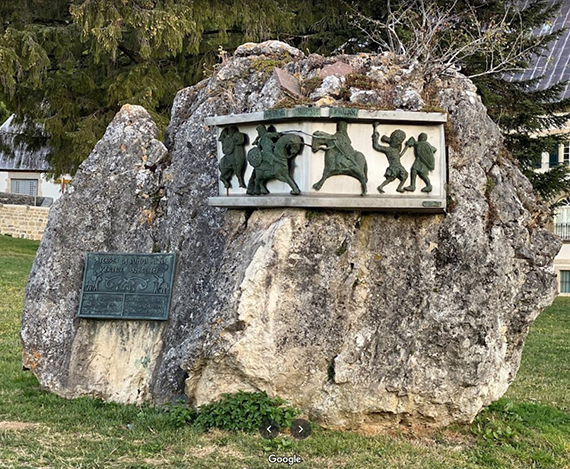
point(493, 424)
point(491, 431)
point(277, 445)
point(181, 414)
point(242, 411)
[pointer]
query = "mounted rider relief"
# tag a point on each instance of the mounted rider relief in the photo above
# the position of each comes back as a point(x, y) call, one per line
point(331, 157)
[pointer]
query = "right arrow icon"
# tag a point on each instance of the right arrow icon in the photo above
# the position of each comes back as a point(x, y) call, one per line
point(300, 429)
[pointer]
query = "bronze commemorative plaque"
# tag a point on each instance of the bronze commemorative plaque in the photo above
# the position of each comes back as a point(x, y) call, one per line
point(127, 286)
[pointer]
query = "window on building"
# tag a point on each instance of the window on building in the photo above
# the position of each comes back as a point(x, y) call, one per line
point(565, 281)
point(24, 186)
point(562, 219)
point(566, 153)
point(553, 156)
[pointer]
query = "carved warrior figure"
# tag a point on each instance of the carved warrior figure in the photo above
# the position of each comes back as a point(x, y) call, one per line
point(424, 162)
point(233, 161)
point(393, 153)
point(270, 159)
point(340, 157)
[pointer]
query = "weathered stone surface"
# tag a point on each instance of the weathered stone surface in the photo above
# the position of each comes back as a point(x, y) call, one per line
point(365, 97)
point(331, 86)
point(361, 319)
point(110, 207)
point(288, 82)
point(337, 68)
point(268, 48)
point(407, 98)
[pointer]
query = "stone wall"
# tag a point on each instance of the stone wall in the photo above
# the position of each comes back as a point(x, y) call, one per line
point(23, 221)
point(22, 199)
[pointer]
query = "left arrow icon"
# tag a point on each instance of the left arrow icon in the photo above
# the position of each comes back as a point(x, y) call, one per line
point(269, 429)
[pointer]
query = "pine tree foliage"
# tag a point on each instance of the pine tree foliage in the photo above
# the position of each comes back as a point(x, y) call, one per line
point(533, 120)
point(71, 64)
point(150, 28)
point(4, 113)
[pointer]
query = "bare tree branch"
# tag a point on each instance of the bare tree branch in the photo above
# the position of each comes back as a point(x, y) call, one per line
point(428, 25)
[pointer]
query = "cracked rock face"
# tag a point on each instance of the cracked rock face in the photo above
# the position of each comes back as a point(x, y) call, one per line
point(360, 319)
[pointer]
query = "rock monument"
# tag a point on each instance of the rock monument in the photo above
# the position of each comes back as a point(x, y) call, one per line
point(360, 318)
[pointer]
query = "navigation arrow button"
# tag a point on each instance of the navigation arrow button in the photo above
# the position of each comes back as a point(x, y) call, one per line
point(269, 429)
point(300, 429)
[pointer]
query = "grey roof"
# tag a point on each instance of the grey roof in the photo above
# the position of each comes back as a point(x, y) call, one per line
point(554, 63)
point(23, 159)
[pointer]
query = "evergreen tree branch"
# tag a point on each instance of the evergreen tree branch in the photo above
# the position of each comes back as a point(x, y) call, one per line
point(131, 54)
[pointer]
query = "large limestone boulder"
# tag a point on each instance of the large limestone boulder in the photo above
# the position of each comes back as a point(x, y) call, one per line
point(362, 319)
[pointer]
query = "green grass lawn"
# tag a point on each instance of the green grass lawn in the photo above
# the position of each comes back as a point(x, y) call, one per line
point(529, 428)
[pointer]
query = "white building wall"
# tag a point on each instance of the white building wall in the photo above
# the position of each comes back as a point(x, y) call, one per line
point(46, 188)
point(4, 181)
point(49, 188)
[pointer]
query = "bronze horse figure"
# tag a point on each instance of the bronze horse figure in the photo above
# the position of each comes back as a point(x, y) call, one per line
point(340, 157)
point(270, 159)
